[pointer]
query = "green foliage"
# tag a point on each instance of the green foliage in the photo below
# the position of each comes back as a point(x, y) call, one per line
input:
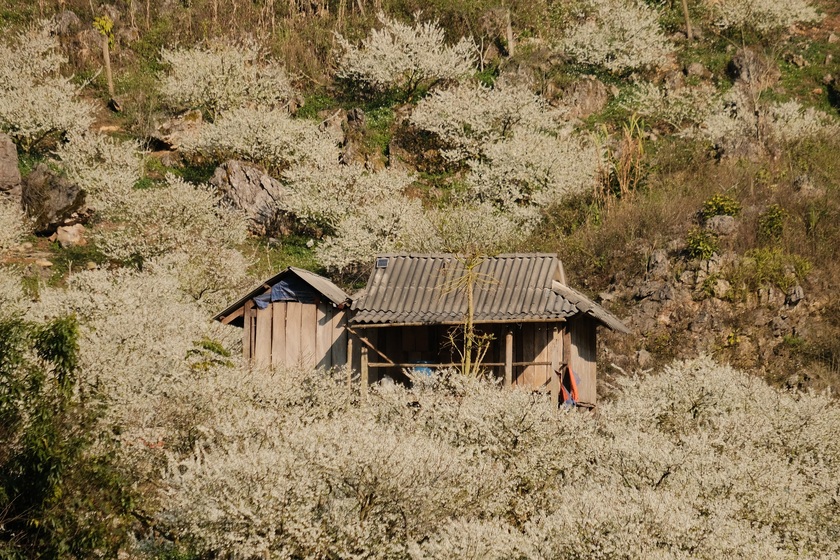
point(771, 224)
point(764, 267)
point(701, 244)
point(59, 497)
point(378, 134)
point(720, 205)
point(314, 103)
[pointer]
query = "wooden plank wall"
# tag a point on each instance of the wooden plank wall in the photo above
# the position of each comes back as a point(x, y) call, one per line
point(533, 343)
point(583, 357)
point(292, 334)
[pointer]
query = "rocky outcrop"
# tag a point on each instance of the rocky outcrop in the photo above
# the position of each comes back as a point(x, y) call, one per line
point(9, 172)
point(252, 190)
point(51, 200)
point(170, 133)
point(586, 97)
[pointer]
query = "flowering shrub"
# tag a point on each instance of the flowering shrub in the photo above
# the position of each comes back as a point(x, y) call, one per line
point(677, 107)
point(14, 224)
point(105, 168)
point(618, 35)
point(219, 77)
point(698, 461)
point(36, 101)
point(323, 196)
point(736, 119)
point(396, 223)
point(531, 171)
point(404, 57)
point(762, 15)
point(790, 122)
point(178, 216)
point(468, 118)
point(267, 137)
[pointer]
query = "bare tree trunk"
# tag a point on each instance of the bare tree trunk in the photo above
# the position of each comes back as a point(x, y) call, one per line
point(361, 5)
point(148, 15)
point(106, 55)
point(509, 26)
point(688, 31)
point(131, 9)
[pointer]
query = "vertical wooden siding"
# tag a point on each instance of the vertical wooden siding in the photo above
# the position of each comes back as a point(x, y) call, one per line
point(293, 334)
point(582, 357)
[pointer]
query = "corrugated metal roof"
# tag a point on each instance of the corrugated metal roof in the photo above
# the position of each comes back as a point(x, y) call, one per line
point(415, 288)
point(326, 288)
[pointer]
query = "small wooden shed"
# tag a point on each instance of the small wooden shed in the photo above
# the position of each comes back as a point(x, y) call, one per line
point(295, 318)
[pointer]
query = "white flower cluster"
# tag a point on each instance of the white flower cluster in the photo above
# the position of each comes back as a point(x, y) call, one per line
point(405, 57)
point(762, 15)
point(530, 171)
point(177, 216)
point(107, 169)
point(221, 76)
point(700, 461)
point(35, 99)
point(521, 155)
point(680, 107)
point(392, 224)
point(618, 35)
point(323, 196)
point(15, 224)
point(790, 122)
point(736, 120)
point(137, 329)
point(468, 118)
point(269, 137)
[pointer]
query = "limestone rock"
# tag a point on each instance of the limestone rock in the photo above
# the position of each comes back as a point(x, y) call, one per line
point(51, 200)
point(748, 66)
point(658, 264)
point(795, 295)
point(66, 23)
point(696, 69)
point(721, 225)
point(354, 131)
point(170, 133)
point(9, 173)
point(587, 96)
point(251, 189)
point(71, 236)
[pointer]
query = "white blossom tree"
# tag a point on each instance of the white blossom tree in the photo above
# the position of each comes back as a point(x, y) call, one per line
point(405, 58)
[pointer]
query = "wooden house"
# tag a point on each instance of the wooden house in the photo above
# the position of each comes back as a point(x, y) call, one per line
point(407, 316)
point(295, 318)
point(535, 322)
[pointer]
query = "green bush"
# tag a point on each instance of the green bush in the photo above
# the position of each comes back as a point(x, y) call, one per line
point(61, 495)
point(721, 205)
point(771, 223)
point(701, 244)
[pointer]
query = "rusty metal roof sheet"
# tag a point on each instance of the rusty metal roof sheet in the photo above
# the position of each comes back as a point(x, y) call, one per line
point(412, 288)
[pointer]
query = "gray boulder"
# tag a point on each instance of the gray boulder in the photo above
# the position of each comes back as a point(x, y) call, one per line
point(252, 190)
point(51, 200)
point(721, 225)
point(9, 173)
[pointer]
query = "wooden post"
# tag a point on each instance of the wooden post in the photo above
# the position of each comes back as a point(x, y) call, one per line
point(349, 362)
point(246, 330)
point(365, 372)
point(556, 348)
point(509, 358)
point(555, 389)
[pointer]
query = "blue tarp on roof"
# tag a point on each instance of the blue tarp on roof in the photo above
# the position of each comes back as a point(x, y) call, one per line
point(290, 288)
